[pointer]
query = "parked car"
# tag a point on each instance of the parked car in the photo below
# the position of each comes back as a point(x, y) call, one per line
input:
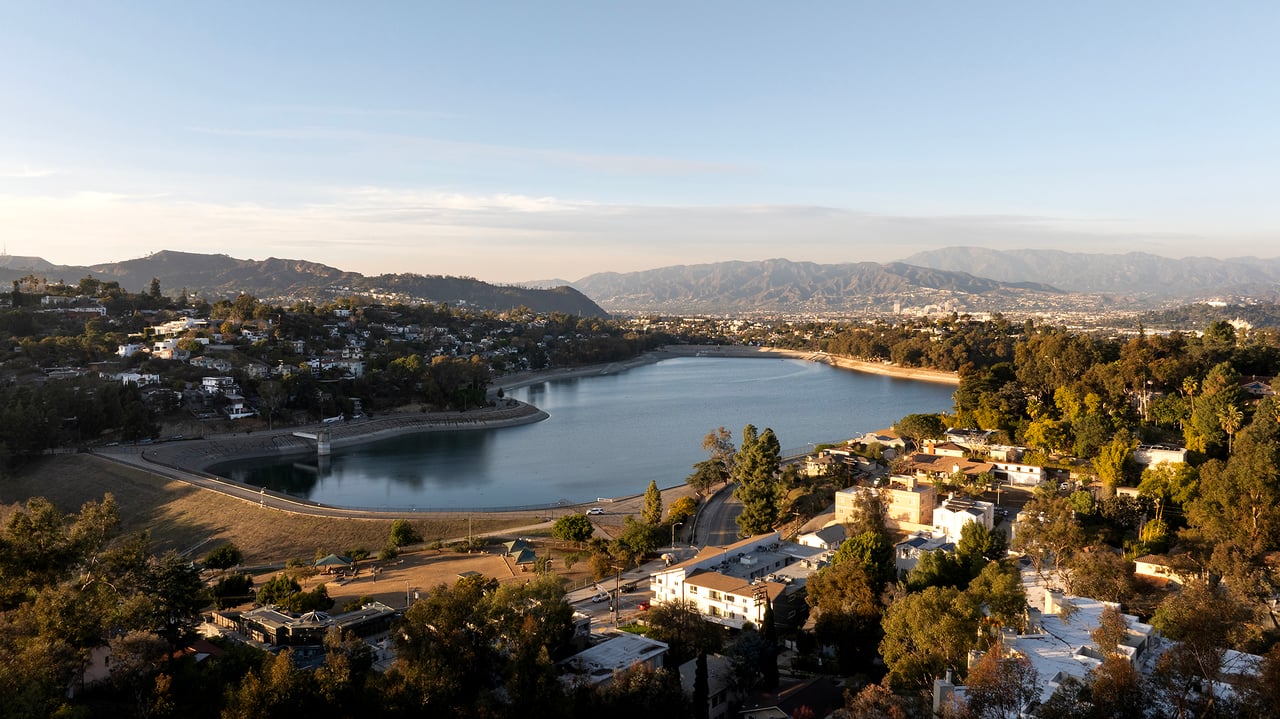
point(596, 510)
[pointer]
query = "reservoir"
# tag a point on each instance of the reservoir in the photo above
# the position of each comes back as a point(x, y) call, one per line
point(608, 435)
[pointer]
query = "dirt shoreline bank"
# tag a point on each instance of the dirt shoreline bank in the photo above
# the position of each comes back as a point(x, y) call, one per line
point(888, 370)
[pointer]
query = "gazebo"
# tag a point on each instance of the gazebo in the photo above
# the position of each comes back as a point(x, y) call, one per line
point(332, 562)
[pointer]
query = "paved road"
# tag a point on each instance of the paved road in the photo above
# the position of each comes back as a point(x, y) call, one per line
point(717, 525)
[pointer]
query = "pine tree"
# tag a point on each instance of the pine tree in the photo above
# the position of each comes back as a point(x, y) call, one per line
point(755, 468)
point(652, 513)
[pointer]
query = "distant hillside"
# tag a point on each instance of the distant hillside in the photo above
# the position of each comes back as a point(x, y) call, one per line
point(783, 286)
point(278, 280)
point(1132, 273)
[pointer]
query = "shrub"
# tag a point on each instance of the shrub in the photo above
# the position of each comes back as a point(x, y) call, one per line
point(224, 557)
point(233, 587)
point(278, 589)
point(403, 533)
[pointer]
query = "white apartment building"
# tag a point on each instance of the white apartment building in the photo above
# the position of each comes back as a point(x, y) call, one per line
point(729, 585)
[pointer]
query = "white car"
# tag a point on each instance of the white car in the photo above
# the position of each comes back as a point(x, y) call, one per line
point(600, 597)
point(596, 510)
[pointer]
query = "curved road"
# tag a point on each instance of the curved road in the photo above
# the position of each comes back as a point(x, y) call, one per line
point(717, 524)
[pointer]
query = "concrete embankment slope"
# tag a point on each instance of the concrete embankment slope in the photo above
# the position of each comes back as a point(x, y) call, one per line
point(204, 453)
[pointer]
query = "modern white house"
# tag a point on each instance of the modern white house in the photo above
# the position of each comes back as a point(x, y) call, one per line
point(951, 515)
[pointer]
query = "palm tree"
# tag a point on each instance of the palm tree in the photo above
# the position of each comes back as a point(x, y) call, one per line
point(1189, 387)
point(1231, 419)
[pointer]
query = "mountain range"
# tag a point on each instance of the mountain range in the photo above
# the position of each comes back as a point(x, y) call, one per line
point(964, 279)
point(959, 278)
point(284, 281)
point(1137, 273)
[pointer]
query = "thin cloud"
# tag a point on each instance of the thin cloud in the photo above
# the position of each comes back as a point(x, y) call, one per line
point(622, 164)
point(513, 237)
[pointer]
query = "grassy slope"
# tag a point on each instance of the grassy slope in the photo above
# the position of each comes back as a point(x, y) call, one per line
point(182, 517)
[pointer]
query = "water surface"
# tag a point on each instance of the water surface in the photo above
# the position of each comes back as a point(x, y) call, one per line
point(608, 435)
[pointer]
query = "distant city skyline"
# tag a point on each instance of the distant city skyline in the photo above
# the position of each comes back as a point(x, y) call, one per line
point(524, 141)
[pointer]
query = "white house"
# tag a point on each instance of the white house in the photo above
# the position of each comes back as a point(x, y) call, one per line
point(237, 408)
point(1022, 475)
point(955, 512)
point(1150, 455)
point(597, 665)
point(829, 537)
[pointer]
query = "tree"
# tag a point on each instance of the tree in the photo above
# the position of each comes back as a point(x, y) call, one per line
point(172, 586)
point(998, 589)
point(271, 399)
point(1168, 483)
point(719, 444)
point(1239, 500)
point(680, 625)
point(278, 589)
point(918, 427)
point(1101, 574)
point(1048, 533)
point(755, 469)
point(979, 545)
point(224, 556)
point(1111, 631)
point(848, 612)
point(232, 589)
point(682, 509)
point(652, 512)
point(403, 533)
point(874, 701)
point(1117, 690)
point(573, 528)
point(706, 474)
point(1001, 687)
point(927, 632)
point(1230, 418)
point(1114, 461)
point(874, 553)
point(1204, 621)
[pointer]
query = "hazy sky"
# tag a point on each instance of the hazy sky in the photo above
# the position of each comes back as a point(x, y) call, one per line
point(531, 140)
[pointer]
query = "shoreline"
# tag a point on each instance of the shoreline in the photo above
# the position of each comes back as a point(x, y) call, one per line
point(848, 363)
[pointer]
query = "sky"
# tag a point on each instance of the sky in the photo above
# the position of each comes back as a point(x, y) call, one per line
point(525, 141)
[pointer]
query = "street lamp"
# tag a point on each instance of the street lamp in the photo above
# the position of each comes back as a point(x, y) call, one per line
point(673, 534)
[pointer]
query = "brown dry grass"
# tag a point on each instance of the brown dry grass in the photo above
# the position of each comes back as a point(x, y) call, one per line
point(183, 517)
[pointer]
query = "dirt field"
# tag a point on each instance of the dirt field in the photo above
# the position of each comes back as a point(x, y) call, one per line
point(184, 518)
